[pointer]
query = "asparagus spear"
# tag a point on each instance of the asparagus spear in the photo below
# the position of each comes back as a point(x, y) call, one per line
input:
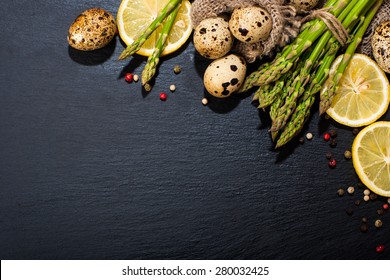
point(327, 96)
point(144, 35)
point(153, 60)
point(299, 83)
point(302, 112)
point(283, 63)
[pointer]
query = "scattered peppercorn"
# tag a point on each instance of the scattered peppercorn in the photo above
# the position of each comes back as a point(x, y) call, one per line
point(163, 96)
point(332, 163)
point(363, 227)
point(327, 117)
point(388, 200)
point(333, 143)
point(380, 212)
point(360, 185)
point(177, 69)
point(348, 154)
point(147, 87)
point(326, 136)
point(129, 77)
point(205, 101)
point(333, 133)
point(357, 202)
point(328, 155)
point(380, 248)
point(172, 88)
point(364, 220)
point(302, 140)
point(349, 211)
point(385, 206)
point(340, 192)
point(373, 196)
point(309, 136)
point(351, 190)
point(355, 131)
point(366, 192)
point(378, 223)
point(136, 78)
point(366, 198)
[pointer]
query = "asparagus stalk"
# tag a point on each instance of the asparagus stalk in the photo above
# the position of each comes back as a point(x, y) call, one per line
point(300, 82)
point(302, 112)
point(262, 93)
point(144, 35)
point(283, 63)
point(272, 94)
point(328, 94)
point(153, 60)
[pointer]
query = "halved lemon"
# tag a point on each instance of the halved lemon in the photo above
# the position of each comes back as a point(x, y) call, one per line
point(135, 15)
point(371, 157)
point(363, 94)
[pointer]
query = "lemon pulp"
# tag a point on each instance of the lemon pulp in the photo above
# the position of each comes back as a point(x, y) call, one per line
point(134, 16)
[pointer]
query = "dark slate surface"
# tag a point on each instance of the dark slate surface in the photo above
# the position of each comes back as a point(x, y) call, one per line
point(92, 168)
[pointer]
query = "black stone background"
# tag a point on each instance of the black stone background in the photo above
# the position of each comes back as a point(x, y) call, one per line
point(93, 168)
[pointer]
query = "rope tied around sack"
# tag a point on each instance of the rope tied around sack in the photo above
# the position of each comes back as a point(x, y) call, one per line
point(333, 24)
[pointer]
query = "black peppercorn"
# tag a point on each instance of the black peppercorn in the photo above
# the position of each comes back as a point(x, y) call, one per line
point(357, 202)
point(333, 133)
point(333, 143)
point(380, 211)
point(328, 155)
point(340, 192)
point(355, 131)
point(302, 140)
point(364, 219)
point(363, 227)
point(349, 211)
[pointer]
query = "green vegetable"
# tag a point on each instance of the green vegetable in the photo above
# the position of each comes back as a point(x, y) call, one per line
point(299, 71)
point(327, 97)
point(140, 40)
point(153, 60)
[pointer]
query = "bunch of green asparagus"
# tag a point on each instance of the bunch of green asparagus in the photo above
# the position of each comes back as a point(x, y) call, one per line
point(288, 85)
point(166, 17)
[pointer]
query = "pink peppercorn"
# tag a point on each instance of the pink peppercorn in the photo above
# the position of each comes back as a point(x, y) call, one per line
point(129, 77)
point(385, 206)
point(326, 136)
point(380, 248)
point(332, 163)
point(163, 96)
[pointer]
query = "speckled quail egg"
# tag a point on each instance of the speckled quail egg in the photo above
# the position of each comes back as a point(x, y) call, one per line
point(305, 5)
point(381, 45)
point(251, 24)
point(92, 29)
point(225, 75)
point(212, 37)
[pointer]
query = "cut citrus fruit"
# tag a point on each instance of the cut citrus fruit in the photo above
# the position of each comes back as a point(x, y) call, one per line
point(371, 157)
point(135, 15)
point(363, 94)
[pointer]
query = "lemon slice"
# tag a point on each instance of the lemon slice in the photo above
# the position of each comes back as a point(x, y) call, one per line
point(135, 15)
point(371, 157)
point(363, 95)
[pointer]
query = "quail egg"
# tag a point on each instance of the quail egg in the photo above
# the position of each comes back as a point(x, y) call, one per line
point(225, 75)
point(381, 45)
point(91, 30)
point(250, 24)
point(212, 37)
point(305, 5)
